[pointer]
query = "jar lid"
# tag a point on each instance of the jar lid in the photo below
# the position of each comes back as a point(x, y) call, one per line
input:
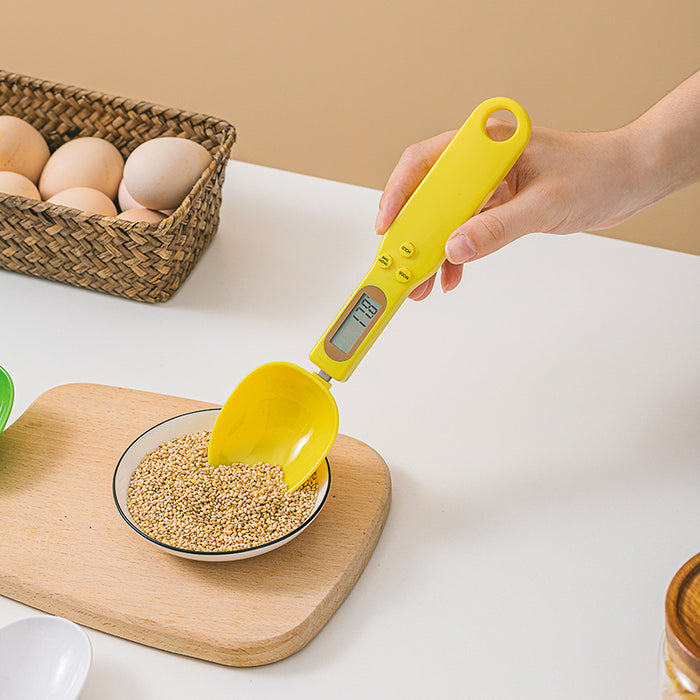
point(683, 619)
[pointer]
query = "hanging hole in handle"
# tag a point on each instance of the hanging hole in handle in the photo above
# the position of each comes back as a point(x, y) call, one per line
point(501, 125)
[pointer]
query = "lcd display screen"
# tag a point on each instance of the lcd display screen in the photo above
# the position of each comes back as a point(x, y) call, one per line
point(351, 329)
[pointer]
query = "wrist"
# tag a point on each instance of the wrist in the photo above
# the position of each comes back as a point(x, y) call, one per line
point(652, 159)
point(645, 160)
point(665, 141)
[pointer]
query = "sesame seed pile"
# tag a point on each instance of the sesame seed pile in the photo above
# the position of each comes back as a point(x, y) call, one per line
point(176, 497)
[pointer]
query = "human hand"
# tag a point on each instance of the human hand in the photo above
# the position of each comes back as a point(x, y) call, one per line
point(563, 182)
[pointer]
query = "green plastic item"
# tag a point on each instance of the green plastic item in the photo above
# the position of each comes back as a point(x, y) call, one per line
point(7, 396)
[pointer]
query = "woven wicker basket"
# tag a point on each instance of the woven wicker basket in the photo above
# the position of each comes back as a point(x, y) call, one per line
point(141, 261)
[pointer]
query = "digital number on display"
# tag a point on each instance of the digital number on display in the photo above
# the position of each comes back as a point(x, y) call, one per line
point(352, 328)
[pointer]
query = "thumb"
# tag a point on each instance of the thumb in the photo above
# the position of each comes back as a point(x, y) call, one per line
point(490, 230)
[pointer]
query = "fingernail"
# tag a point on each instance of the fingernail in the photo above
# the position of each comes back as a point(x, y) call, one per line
point(376, 223)
point(459, 249)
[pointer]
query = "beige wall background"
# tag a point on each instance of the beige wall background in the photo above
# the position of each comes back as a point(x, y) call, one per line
point(337, 90)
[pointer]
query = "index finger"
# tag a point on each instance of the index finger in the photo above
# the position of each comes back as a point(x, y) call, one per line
point(413, 166)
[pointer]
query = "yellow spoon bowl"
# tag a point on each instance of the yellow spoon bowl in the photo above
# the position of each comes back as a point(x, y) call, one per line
point(279, 414)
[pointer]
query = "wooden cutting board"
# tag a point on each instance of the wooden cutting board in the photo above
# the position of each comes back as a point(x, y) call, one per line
point(65, 549)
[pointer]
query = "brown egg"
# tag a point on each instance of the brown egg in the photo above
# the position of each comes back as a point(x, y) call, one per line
point(14, 183)
point(126, 201)
point(22, 148)
point(161, 172)
point(87, 199)
point(87, 161)
point(141, 214)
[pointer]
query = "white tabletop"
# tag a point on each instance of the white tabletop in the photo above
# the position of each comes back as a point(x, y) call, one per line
point(541, 424)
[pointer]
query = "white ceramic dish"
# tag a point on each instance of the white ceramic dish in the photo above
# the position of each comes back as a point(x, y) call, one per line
point(43, 657)
point(183, 425)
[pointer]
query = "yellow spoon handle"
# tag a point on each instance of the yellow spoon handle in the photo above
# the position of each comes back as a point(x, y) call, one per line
point(412, 250)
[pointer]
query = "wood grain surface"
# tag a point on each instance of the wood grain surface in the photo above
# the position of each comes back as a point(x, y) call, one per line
point(65, 549)
point(683, 619)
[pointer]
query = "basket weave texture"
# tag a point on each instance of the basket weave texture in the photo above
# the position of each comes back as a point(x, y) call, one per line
point(137, 260)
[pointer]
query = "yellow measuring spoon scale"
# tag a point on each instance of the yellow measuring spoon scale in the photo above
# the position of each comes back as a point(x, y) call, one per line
point(283, 414)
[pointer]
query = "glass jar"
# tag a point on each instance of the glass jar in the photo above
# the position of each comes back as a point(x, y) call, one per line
point(680, 651)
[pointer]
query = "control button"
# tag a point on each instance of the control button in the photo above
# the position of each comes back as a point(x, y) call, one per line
point(384, 260)
point(407, 249)
point(403, 274)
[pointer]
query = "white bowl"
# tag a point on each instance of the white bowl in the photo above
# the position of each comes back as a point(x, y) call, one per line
point(43, 657)
point(176, 427)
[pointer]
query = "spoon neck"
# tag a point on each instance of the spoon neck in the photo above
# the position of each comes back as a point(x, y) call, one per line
point(326, 377)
